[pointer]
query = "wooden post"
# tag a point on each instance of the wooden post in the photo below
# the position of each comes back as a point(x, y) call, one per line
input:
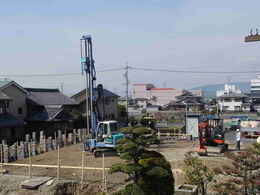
point(2, 160)
point(104, 174)
point(82, 165)
point(30, 160)
point(58, 168)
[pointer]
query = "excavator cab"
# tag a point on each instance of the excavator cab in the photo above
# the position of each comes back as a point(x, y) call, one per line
point(107, 128)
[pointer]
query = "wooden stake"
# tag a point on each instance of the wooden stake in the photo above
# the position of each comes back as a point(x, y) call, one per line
point(104, 175)
point(2, 160)
point(82, 165)
point(30, 160)
point(58, 167)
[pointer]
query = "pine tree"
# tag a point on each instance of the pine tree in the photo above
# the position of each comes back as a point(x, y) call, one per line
point(197, 173)
point(242, 175)
point(148, 171)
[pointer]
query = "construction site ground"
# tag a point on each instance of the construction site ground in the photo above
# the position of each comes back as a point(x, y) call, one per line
point(71, 155)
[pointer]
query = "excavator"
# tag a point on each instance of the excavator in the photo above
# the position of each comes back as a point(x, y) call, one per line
point(211, 136)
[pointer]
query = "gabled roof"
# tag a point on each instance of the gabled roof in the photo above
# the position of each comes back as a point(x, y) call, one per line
point(46, 97)
point(81, 96)
point(51, 113)
point(6, 83)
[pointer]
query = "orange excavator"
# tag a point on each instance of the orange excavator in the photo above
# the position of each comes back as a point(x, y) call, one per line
point(211, 136)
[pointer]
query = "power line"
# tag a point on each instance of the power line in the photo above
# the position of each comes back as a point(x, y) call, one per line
point(195, 72)
point(56, 75)
point(132, 68)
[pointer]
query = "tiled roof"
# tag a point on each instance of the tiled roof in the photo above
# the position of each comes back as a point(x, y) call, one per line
point(47, 114)
point(49, 97)
point(81, 96)
point(5, 83)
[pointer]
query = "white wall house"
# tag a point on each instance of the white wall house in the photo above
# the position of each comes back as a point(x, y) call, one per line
point(233, 102)
point(227, 90)
point(255, 85)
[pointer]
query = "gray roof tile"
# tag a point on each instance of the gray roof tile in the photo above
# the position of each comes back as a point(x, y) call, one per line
point(49, 97)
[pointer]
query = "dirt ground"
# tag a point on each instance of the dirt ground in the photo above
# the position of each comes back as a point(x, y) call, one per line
point(71, 155)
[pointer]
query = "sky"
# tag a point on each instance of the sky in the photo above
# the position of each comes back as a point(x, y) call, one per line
point(42, 37)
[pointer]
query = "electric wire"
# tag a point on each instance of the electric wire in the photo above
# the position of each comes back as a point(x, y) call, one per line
point(195, 72)
point(56, 75)
point(134, 69)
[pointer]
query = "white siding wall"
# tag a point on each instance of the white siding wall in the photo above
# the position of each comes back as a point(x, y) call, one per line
point(255, 85)
point(229, 105)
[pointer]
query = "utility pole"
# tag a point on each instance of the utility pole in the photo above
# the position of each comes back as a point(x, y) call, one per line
point(127, 89)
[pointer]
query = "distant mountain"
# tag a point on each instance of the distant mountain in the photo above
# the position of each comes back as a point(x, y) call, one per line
point(210, 90)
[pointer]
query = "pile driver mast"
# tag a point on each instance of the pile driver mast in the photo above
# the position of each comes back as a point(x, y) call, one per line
point(88, 66)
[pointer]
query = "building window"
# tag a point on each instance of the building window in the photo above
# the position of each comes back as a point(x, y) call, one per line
point(20, 110)
point(226, 107)
point(237, 108)
point(227, 100)
point(237, 100)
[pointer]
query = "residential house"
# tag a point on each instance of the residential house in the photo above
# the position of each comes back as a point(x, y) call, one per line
point(186, 102)
point(227, 90)
point(12, 110)
point(105, 106)
point(162, 96)
point(233, 102)
point(11, 128)
point(255, 94)
point(197, 92)
point(49, 110)
point(17, 107)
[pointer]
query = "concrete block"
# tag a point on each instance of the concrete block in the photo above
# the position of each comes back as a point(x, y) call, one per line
point(33, 147)
point(74, 136)
point(34, 136)
point(186, 189)
point(20, 151)
point(27, 137)
point(70, 138)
